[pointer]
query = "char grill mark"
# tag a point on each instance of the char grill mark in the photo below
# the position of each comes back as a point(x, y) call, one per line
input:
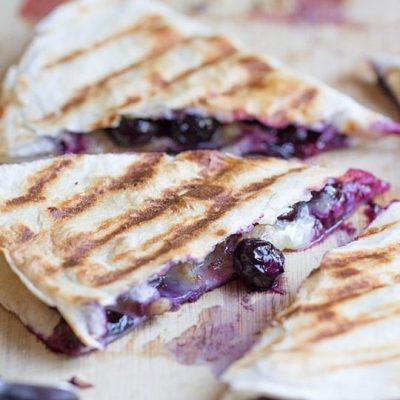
point(213, 59)
point(84, 244)
point(339, 326)
point(378, 229)
point(181, 235)
point(3, 105)
point(167, 41)
point(342, 295)
point(139, 174)
point(256, 68)
point(42, 180)
point(302, 99)
point(167, 38)
point(220, 51)
point(152, 23)
point(376, 256)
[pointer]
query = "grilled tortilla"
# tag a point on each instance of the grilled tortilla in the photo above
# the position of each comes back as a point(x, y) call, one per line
point(99, 238)
point(340, 338)
point(129, 60)
point(388, 72)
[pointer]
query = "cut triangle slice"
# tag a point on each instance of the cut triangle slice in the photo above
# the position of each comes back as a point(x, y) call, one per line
point(339, 339)
point(107, 241)
point(135, 74)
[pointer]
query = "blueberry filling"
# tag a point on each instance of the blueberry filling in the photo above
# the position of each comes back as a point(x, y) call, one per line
point(250, 138)
point(286, 142)
point(257, 262)
point(131, 132)
point(185, 131)
point(190, 130)
point(338, 199)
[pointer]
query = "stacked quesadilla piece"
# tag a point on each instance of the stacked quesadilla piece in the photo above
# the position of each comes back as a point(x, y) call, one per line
point(96, 244)
point(137, 75)
point(340, 338)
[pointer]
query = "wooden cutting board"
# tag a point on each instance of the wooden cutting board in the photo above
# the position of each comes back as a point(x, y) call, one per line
point(178, 356)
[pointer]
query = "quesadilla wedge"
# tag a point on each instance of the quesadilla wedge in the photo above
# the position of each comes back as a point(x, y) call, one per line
point(96, 244)
point(387, 70)
point(340, 338)
point(135, 74)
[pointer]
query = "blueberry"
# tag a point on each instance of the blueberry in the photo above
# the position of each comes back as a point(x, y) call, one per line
point(258, 263)
point(132, 132)
point(190, 130)
point(295, 134)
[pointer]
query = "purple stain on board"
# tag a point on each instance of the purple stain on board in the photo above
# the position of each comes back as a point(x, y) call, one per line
point(222, 335)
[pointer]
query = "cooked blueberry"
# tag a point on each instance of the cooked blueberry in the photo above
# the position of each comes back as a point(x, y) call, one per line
point(192, 129)
point(258, 263)
point(136, 131)
point(296, 135)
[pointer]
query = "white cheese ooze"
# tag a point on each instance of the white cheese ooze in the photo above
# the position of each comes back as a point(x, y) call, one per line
point(143, 293)
point(284, 235)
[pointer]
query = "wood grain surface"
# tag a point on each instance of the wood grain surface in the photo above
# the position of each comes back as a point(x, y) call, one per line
point(179, 355)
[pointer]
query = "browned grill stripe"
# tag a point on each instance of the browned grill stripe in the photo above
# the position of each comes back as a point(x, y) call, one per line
point(342, 295)
point(378, 229)
point(336, 326)
point(256, 66)
point(343, 326)
point(257, 72)
point(374, 360)
point(302, 99)
point(168, 38)
point(139, 173)
point(150, 23)
point(155, 208)
point(343, 273)
point(3, 106)
point(221, 205)
point(42, 179)
point(159, 85)
point(225, 51)
point(378, 256)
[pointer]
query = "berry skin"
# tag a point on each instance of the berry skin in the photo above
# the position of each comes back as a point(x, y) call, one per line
point(258, 263)
point(132, 132)
point(192, 129)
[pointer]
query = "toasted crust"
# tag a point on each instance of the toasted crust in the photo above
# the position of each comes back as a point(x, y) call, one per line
point(148, 63)
point(339, 340)
point(82, 230)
